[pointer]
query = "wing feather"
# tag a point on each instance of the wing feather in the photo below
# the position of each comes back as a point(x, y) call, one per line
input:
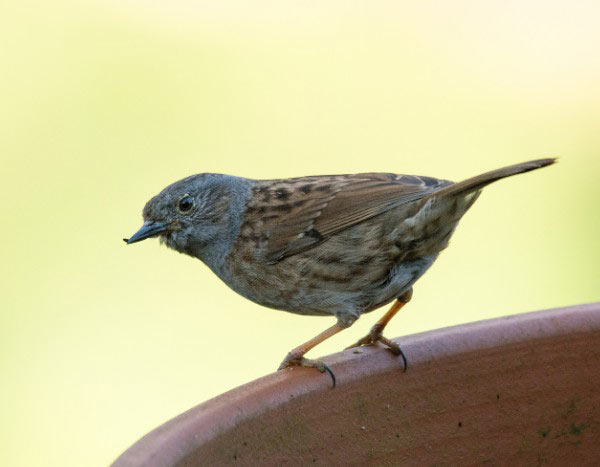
point(294, 215)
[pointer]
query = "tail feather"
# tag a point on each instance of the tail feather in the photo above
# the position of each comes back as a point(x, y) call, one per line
point(478, 182)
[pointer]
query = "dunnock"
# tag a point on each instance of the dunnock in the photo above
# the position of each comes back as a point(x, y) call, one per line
point(339, 245)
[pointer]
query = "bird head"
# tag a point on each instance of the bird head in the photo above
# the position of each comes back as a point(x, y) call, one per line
point(188, 215)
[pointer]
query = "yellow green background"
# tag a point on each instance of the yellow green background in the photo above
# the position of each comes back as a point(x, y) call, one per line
point(103, 103)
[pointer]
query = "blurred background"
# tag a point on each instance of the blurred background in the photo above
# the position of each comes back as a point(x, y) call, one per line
point(106, 102)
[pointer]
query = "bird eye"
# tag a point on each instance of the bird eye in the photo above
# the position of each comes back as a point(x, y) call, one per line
point(186, 203)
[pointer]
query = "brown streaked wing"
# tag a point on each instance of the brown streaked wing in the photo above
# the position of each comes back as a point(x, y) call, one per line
point(298, 214)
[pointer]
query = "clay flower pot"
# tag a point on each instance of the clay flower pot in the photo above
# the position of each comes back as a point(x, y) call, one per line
point(521, 390)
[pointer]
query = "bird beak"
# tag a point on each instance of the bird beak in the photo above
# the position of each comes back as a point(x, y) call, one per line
point(149, 229)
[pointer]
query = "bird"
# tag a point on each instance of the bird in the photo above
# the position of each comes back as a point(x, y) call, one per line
point(329, 245)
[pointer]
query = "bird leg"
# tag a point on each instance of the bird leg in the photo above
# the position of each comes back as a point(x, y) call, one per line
point(296, 356)
point(375, 332)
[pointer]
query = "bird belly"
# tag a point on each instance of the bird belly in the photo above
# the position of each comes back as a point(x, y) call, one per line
point(354, 271)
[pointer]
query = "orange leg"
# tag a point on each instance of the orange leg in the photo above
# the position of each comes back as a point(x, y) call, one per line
point(375, 332)
point(296, 356)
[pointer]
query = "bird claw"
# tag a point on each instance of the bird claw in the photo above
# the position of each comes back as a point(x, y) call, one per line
point(374, 337)
point(292, 360)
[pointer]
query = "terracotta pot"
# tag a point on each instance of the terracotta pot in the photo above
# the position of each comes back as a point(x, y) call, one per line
point(521, 390)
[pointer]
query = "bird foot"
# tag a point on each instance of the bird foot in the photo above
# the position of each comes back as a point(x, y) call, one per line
point(293, 360)
point(375, 336)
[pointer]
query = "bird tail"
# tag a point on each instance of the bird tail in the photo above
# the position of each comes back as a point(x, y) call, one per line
point(476, 183)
